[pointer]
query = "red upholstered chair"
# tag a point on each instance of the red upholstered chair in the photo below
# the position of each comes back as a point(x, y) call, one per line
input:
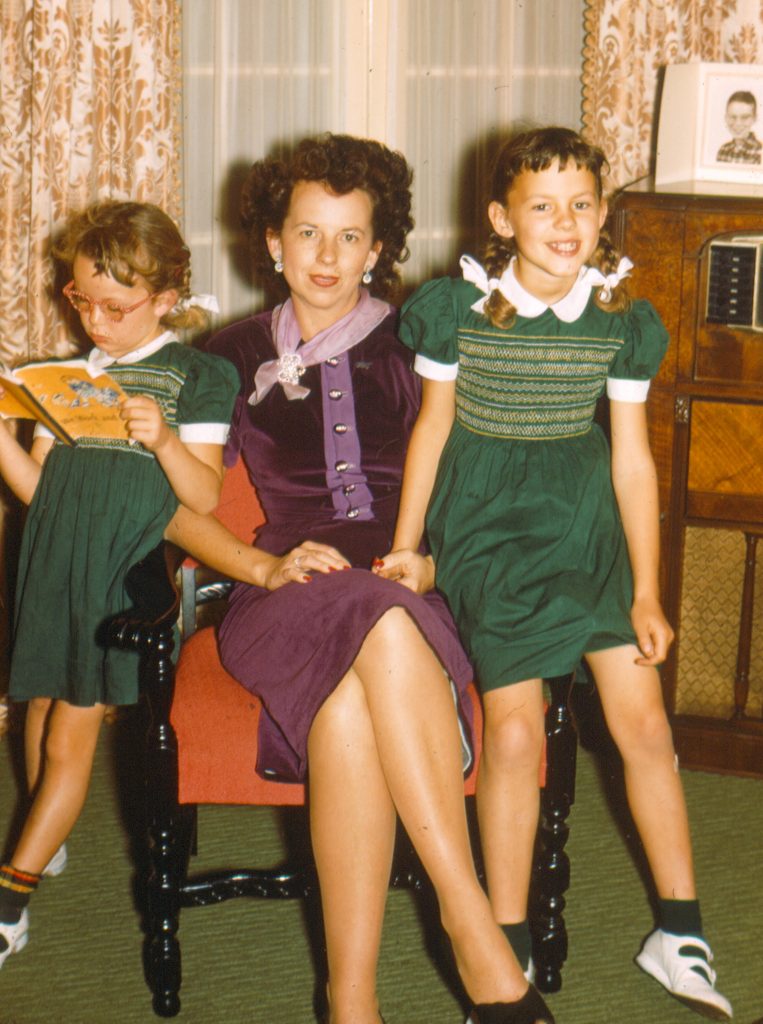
point(217, 752)
point(202, 749)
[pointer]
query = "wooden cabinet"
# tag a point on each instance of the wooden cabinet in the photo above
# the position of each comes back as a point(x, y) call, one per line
point(706, 426)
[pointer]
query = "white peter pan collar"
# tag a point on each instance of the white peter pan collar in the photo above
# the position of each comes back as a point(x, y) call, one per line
point(568, 308)
point(98, 360)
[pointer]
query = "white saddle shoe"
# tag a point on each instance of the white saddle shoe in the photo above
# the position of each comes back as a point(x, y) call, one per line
point(681, 964)
point(57, 863)
point(16, 936)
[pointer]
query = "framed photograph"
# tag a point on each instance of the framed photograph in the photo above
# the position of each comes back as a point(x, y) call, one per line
point(710, 125)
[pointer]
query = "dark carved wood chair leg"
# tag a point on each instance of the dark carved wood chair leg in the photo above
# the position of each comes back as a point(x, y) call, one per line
point(172, 840)
point(552, 865)
point(148, 629)
point(170, 828)
point(170, 835)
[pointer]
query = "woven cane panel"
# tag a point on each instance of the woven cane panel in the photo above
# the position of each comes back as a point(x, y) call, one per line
point(709, 628)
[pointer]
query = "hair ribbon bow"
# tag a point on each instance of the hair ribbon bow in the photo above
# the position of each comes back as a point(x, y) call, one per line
point(608, 283)
point(475, 274)
point(203, 301)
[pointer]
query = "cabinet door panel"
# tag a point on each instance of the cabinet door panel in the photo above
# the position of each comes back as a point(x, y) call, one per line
point(725, 479)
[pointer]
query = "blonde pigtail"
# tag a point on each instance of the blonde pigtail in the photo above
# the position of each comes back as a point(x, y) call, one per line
point(186, 315)
point(191, 318)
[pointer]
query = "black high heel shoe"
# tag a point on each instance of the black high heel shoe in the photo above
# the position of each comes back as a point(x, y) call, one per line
point(527, 1010)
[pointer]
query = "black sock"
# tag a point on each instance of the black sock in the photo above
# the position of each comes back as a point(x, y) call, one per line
point(680, 917)
point(520, 941)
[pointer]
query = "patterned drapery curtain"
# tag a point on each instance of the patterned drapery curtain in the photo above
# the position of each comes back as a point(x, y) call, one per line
point(626, 43)
point(90, 109)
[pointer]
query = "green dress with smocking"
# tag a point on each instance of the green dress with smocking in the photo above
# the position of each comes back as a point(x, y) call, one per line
point(99, 507)
point(523, 521)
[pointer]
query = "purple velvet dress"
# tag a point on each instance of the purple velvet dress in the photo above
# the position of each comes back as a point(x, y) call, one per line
point(326, 468)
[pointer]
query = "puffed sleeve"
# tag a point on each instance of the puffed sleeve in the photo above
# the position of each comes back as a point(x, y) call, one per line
point(428, 326)
point(205, 403)
point(639, 358)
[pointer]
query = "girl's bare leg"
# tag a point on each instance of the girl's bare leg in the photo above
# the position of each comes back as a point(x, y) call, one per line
point(508, 794)
point(631, 698)
point(415, 729)
point(64, 778)
point(35, 726)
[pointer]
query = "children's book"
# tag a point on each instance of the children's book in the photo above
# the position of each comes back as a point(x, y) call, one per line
point(69, 397)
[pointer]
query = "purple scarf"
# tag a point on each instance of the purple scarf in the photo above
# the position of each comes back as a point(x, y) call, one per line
point(294, 358)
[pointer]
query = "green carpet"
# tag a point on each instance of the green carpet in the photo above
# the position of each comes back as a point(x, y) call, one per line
point(250, 962)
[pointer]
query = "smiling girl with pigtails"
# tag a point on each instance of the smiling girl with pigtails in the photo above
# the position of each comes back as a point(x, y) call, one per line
point(545, 539)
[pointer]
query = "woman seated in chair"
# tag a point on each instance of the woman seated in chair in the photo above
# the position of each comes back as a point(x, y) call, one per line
point(354, 671)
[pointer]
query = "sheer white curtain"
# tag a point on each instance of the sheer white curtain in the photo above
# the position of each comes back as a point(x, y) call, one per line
point(438, 79)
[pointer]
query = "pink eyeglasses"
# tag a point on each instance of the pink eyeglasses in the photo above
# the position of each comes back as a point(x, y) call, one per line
point(113, 311)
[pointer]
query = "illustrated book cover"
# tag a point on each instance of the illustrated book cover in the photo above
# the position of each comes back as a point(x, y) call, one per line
point(67, 396)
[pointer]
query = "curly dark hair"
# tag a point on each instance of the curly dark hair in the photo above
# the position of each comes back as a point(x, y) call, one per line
point(536, 150)
point(127, 240)
point(341, 163)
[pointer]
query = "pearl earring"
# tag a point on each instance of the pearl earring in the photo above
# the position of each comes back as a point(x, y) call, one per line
point(278, 266)
point(367, 277)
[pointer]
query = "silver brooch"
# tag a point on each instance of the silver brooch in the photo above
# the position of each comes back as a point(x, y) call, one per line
point(290, 368)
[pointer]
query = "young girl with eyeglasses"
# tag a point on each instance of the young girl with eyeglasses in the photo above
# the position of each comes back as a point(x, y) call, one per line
point(545, 541)
point(98, 507)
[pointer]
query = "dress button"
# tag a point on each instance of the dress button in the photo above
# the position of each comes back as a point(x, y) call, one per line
point(332, 361)
point(353, 513)
point(335, 394)
point(348, 489)
point(341, 466)
point(340, 428)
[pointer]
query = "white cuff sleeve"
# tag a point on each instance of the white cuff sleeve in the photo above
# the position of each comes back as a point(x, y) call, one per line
point(199, 433)
point(432, 370)
point(204, 433)
point(621, 390)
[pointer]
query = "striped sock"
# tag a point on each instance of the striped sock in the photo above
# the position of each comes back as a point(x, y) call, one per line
point(15, 889)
